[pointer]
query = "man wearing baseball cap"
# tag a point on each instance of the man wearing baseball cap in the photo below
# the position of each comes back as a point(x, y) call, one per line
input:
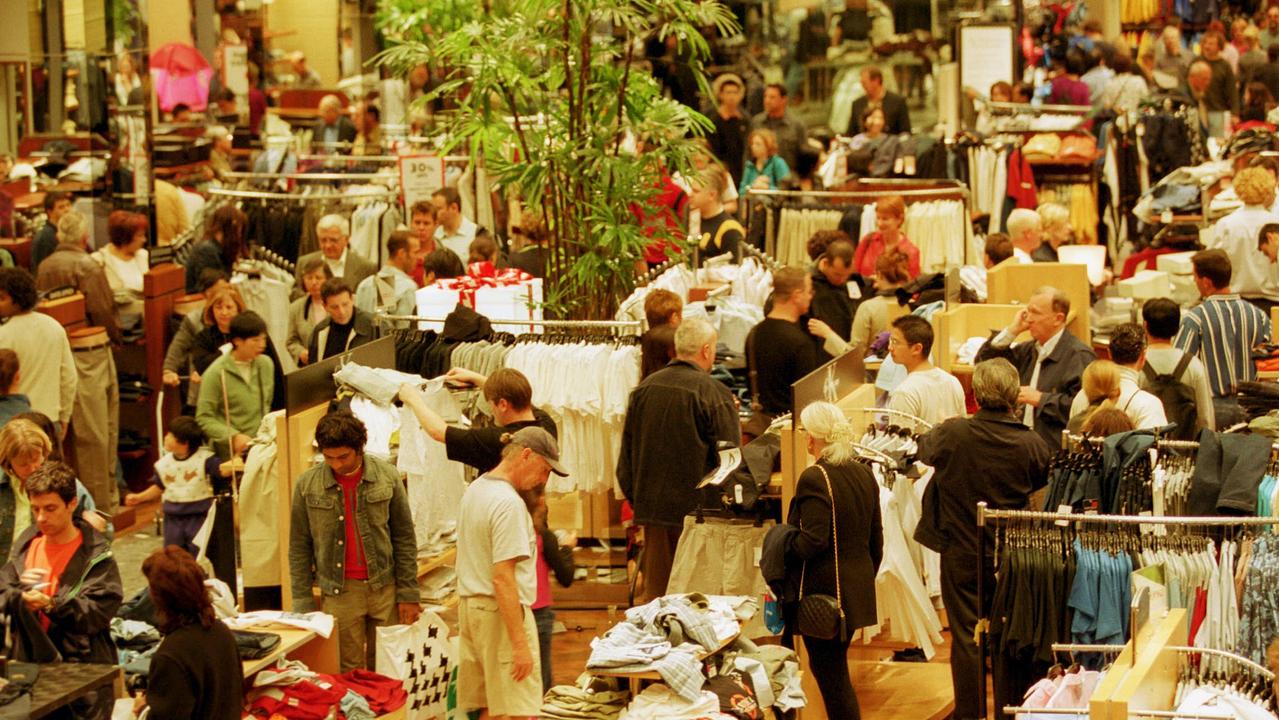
point(496, 576)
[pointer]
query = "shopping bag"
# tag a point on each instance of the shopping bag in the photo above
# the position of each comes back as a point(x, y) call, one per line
point(420, 656)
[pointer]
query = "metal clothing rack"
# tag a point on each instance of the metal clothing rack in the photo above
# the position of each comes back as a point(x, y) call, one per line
point(262, 195)
point(985, 515)
point(310, 176)
point(899, 413)
point(907, 192)
point(616, 324)
point(767, 260)
point(1246, 662)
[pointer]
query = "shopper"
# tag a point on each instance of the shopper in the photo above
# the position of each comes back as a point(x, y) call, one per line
point(454, 231)
point(1025, 229)
point(507, 390)
point(832, 303)
point(24, 448)
point(237, 387)
point(70, 265)
point(1066, 87)
point(368, 138)
point(663, 310)
point(224, 245)
point(552, 555)
point(765, 168)
point(1128, 354)
point(837, 549)
point(346, 326)
point(1222, 96)
point(49, 377)
point(187, 476)
point(125, 260)
point(334, 233)
point(778, 351)
point(1162, 318)
point(1055, 231)
point(222, 304)
point(1222, 330)
point(61, 585)
point(308, 311)
point(12, 401)
point(929, 393)
point(1236, 234)
point(334, 130)
point(728, 139)
point(890, 215)
point(532, 256)
point(720, 233)
point(678, 413)
point(1172, 59)
point(498, 673)
point(896, 114)
point(392, 289)
point(195, 672)
point(892, 271)
point(1124, 92)
point(56, 204)
point(1050, 365)
point(991, 457)
point(368, 576)
point(789, 132)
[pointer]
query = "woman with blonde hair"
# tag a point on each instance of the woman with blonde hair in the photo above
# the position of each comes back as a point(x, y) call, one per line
point(1100, 387)
point(221, 305)
point(24, 448)
point(1054, 219)
point(837, 550)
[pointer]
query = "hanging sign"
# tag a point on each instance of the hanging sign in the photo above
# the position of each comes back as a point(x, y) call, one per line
point(420, 176)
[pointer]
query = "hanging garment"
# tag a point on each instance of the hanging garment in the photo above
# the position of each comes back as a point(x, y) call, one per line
point(95, 424)
point(260, 549)
point(268, 297)
point(435, 483)
point(717, 557)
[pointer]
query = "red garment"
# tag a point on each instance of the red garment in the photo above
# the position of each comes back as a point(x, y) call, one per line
point(660, 219)
point(872, 246)
point(303, 700)
point(1255, 125)
point(543, 578)
point(1199, 612)
point(1147, 256)
point(383, 694)
point(357, 567)
point(1021, 181)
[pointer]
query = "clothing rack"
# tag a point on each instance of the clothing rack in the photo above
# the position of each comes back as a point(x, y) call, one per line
point(1027, 108)
point(616, 324)
point(377, 159)
point(269, 256)
point(309, 176)
point(909, 192)
point(1259, 669)
point(899, 413)
point(1067, 438)
point(262, 195)
point(656, 272)
point(765, 259)
point(985, 515)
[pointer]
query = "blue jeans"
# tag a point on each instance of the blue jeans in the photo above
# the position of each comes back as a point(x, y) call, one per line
point(545, 619)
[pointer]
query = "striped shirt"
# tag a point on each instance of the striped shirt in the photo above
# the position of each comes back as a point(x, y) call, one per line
point(1222, 331)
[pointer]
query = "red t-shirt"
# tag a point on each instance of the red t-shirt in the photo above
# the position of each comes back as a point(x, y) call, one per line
point(356, 568)
point(42, 553)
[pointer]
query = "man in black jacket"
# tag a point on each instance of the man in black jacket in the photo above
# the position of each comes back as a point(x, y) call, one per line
point(61, 586)
point(831, 303)
point(345, 328)
point(1050, 366)
point(896, 114)
point(334, 127)
point(993, 458)
point(675, 421)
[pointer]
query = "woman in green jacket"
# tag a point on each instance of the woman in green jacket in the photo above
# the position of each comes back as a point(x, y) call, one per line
point(235, 391)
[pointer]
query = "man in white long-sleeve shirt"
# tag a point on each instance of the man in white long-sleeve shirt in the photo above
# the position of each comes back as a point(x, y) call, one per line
point(1253, 276)
point(48, 372)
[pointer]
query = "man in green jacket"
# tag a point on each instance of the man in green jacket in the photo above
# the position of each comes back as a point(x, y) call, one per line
point(352, 535)
point(236, 389)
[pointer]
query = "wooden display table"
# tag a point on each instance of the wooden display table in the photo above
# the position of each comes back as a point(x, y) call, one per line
point(319, 654)
point(60, 684)
point(887, 690)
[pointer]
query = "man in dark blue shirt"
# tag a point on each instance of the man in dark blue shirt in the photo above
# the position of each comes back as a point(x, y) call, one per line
point(56, 204)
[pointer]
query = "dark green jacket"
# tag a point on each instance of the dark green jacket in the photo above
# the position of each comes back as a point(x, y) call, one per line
point(317, 534)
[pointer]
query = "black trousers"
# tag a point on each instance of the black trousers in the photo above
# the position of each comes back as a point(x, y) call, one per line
point(1010, 677)
point(828, 661)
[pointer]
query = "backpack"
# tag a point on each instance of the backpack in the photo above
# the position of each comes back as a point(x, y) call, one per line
point(1178, 398)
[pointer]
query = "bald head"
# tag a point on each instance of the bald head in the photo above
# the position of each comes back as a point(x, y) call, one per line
point(1199, 77)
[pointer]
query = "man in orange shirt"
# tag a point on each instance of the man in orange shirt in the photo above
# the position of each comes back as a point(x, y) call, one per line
point(61, 586)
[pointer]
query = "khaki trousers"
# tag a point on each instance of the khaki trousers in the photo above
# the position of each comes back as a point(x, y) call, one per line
point(95, 425)
point(358, 611)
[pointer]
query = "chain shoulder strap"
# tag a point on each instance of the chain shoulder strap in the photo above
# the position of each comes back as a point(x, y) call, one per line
point(834, 529)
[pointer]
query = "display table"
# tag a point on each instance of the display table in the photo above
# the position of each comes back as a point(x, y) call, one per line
point(60, 684)
point(319, 654)
point(902, 690)
point(635, 678)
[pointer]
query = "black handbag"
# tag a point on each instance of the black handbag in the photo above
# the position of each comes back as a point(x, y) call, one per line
point(822, 616)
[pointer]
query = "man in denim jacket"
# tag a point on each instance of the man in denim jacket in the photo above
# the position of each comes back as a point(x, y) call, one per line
point(366, 569)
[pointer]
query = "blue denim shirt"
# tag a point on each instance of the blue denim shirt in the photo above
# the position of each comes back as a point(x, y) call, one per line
point(317, 533)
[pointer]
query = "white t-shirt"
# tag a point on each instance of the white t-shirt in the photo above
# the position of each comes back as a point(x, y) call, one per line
point(494, 525)
point(933, 395)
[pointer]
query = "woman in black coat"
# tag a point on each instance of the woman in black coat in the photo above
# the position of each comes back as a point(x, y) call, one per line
point(858, 539)
point(195, 672)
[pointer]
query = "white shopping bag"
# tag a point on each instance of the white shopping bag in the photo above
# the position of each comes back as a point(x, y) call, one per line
point(420, 656)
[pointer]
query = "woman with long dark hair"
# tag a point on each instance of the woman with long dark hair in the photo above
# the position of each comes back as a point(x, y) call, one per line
point(224, 243)
point(195, 672)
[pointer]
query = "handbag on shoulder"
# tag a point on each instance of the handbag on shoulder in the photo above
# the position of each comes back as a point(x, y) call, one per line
point(822, 616)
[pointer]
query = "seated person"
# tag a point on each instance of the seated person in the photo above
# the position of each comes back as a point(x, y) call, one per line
point(61, 586)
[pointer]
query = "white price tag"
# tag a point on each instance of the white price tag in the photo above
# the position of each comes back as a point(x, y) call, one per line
point(1064, 510)
point(420, 176)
